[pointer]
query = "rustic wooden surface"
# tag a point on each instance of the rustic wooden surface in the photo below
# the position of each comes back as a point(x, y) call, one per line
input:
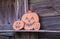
point(26, 35)
point(29, 35)
point(48, 11)
point(7, 12)
point(6, 37)
point(45, 7)
point(49, 15)
point(7, 15)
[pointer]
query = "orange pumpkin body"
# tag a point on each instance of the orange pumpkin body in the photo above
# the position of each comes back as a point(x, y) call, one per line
point(29, 19)
point(18, 25)
point(36, 26)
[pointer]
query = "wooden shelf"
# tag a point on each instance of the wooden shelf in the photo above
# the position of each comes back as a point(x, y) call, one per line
point(29, 31)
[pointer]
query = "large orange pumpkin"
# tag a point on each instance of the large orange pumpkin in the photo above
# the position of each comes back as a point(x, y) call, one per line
point(17, 25)
point(29, 19)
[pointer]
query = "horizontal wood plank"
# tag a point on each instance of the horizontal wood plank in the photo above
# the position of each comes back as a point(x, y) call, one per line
point(29, 31)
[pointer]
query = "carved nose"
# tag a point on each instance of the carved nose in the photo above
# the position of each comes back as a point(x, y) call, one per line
point(17, 26)
point(29, 20)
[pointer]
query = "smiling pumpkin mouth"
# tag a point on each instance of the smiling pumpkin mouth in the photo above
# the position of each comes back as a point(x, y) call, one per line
point(17, 26)
point(29, 24)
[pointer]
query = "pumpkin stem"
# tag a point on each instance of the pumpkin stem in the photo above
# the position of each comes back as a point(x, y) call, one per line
point(29, 11)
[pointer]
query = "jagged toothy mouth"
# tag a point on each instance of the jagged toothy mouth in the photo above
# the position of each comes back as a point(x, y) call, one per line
point(17, 26)
point(29, 24)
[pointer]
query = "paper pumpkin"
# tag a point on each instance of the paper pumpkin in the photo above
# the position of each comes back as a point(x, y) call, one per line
point(17, 25)
point(36, 26)
point(29, 19)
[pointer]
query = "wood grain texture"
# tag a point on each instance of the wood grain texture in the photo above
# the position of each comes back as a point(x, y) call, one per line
point(7, 15)
point(4, 37)
point(46, 7)
point(26, 35)
point(48, 17)
point(49, 35)
point(50, 23)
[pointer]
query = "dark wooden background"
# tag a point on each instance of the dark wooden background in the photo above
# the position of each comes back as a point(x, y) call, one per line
point(48, 11)
point(49, 15)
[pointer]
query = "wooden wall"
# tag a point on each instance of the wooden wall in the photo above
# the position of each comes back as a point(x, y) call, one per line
point(48, 11)
point(45, 7)
point(7, 10)
point(7, 17)
point(49, 15)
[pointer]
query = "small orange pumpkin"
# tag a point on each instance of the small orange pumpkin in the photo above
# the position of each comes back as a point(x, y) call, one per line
point(29, 19)
point(36, 26)
point(17, 25)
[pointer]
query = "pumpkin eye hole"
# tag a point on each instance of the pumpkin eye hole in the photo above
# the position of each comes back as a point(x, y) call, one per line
point(32, 18)
point(26, 18)
point(18, 23)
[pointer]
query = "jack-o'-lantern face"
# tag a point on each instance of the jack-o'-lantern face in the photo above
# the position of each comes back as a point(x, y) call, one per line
point(18, 25)
point(36, 26)
point(30, 18)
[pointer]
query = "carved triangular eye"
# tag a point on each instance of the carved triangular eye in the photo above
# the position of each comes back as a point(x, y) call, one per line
point(18, 23)
point(27, 18)
point(32, 17)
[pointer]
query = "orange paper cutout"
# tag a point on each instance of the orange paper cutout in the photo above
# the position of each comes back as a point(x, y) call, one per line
point(29, 19)
point(18, 25)
point(36, 26)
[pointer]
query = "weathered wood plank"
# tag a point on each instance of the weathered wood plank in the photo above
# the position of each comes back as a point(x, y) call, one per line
point(12, 37)
point(7, 15)
point(37, 1)
point(7, 11)
point(31, 31)
point(4, 37)
point(20, 36)
point(26, 35)
point(50, 35)
point(50, 23)
point(46, 7)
